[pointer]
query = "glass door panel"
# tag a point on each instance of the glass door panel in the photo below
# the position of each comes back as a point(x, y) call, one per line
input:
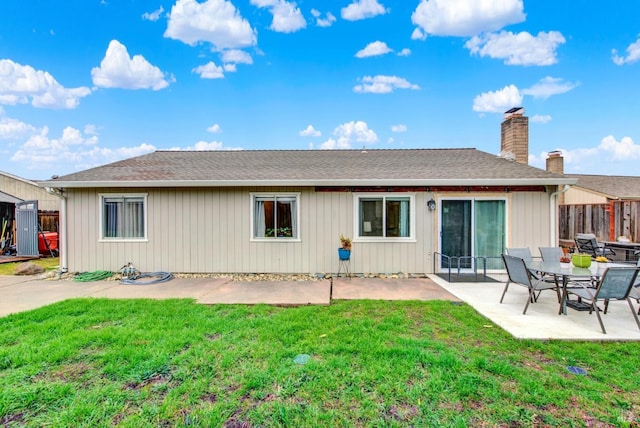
point(489, 232)
point(456, 232)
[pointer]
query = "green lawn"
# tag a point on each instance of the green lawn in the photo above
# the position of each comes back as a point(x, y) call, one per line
point(137, 363)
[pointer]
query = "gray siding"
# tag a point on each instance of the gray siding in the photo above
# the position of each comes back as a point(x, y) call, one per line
point(207, 230)
point(28, 191)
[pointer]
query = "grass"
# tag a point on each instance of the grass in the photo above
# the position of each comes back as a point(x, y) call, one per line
point(48, 263)
point(142, 363)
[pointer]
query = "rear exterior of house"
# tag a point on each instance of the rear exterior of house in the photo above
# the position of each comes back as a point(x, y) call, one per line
point(284, 211)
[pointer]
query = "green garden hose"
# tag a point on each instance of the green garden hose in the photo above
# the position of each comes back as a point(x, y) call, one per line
point(93, 276)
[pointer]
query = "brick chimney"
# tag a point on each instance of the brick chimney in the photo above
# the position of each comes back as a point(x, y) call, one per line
point(514, 135)
point(555, 162)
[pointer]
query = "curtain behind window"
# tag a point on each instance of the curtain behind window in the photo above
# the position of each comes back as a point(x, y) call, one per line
point(123, 217)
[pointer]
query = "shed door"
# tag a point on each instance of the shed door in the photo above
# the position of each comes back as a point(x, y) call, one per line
point(27, 228)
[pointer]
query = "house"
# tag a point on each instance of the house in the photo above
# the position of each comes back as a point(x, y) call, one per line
point(605, 205)
point(283, 211)
point(14, 191)
point(27, 190)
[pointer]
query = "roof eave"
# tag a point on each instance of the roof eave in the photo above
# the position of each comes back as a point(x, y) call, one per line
point(307, 183)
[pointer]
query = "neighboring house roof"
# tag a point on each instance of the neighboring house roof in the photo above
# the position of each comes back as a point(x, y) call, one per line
point(611, 186)
point(9, 199)
point(403, 167)
point(15, 177)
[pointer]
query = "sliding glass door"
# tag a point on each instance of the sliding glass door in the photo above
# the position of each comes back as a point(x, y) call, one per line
point(472, 230)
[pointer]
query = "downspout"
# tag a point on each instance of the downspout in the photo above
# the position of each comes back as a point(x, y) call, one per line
point(62, 226)
point(553, 213)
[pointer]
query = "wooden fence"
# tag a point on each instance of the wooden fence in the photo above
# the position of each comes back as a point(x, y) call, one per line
point(606, 221)
point(48, 220)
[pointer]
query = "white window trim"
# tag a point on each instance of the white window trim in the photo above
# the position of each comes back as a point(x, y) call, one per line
point(101, 197)
point(252, 197)
point(356, 217)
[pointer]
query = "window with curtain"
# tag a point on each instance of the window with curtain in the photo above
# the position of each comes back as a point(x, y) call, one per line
point(123, 217)
point(275, 216)
point(384, 216)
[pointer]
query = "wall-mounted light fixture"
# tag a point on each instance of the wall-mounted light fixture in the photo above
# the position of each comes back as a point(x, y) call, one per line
point(431, 204)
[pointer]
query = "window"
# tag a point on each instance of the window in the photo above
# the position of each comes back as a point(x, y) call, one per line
point(275, 216)
point(123, 216)
point(385, 216)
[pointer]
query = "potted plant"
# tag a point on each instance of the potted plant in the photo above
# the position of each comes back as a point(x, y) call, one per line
point(344, 252)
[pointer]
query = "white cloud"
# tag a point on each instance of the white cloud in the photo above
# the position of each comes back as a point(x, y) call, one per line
point(541, 118)
point(153, 16)
point(609, 155)
point(349, 133)
point(374, 49)
point(230, 68)
point(209, 71)
point(310, 131)
point(549, 86)
point(70, 152)
point(236, 56)
point(118, 70)
point(214, 129)
point(405, 52)
point(214, 21)
point(633, 54)
point(362, 9)
point(383, 84)
point(466, 17)
point(201, 146)
point(12, 129)
point(518, 49)
point(418, 34)
point(399, 128)
point(20, 84)
point(498, 101)
point(287, 18)
point(327, 21)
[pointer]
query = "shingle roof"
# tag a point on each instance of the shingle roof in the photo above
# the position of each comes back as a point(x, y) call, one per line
point(310, 167)
point(613, 186)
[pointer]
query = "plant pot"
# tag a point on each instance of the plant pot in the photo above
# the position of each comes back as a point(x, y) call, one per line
point(344, 254)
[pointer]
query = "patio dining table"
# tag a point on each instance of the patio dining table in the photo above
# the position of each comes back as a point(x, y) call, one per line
point(570, 272)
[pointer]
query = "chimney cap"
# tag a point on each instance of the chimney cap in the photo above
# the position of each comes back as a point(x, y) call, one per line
point(514, 111)
point(554, 153)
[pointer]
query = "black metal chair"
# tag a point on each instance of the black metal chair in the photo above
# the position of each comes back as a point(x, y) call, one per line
point(588, 244)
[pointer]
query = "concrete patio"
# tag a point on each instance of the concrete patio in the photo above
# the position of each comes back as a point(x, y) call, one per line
point(541, 322)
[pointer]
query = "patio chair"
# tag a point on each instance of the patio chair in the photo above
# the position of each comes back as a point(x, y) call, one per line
point(551, 254)
point(519, 274)
point(615, 284)
point(524, 254)
point(588, 244)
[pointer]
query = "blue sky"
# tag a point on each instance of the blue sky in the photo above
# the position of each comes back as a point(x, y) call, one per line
point(88, 82)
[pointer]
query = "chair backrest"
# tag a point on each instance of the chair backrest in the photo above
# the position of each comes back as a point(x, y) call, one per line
point(523, 253)
point(616, 283)
point(551, 254)
point(517, 270)
point(586, 244)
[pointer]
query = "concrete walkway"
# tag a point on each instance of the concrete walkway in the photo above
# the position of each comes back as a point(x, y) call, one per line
point(19, 293)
